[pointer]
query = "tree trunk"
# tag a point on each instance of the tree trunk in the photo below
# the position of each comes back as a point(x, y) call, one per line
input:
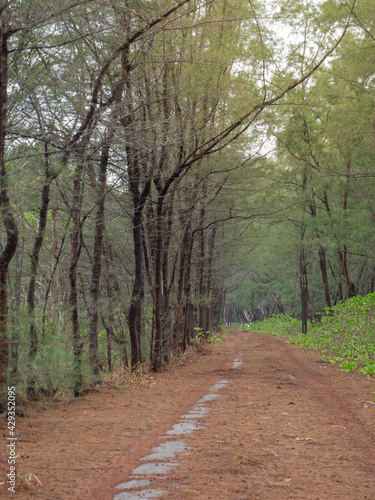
point(210, 265)
point(166, 316)
point(178, 329)
point(15, 340)
point(188, 309)
point(113, 293)
point(322, 263)
point(341, 251)
point(8, 219)
point(323, 270)
point(139, 197)
point(97, 260)
point(75, 251)
point(201, 263)
point(33, 348)
point(304, 286)
point(55, 251)
point(136, 300)
point(158, 296)
point(303, 265)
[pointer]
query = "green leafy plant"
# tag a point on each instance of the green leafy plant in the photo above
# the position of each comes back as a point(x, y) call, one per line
point(345, 334)
point(30, 481)
point(213, 339)
point(223, 330)
point(205, 337)
point(349, 366)
point(369, 369)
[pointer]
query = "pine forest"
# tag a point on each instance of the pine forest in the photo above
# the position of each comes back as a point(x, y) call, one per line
point(169, 167)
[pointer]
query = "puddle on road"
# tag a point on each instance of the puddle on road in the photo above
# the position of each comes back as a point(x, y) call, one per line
point(196, 412)
point(133, 483)
point(169, 449)
point(186, 427)
point(219, 385)
point(157, 466)
point(154, 468)
point(237, 361)
point(208, 397)
point(127, 495)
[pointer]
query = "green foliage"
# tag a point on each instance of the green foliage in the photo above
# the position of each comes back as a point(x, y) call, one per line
point(206, 337)
point(223, 329)
point(369, 369)
point(281, 325)
point(349, 366)
point(345, 334)
point(214, 339)
point(52, 369)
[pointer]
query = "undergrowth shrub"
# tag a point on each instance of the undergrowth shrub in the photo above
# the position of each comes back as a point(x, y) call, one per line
point(346, 333)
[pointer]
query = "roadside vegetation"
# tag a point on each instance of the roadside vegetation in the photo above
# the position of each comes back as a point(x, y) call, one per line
point(345, 334)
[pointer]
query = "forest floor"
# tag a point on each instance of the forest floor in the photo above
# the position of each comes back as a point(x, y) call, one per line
point(274, 422)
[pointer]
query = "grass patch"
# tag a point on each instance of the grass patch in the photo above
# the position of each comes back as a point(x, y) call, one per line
point(345, 335)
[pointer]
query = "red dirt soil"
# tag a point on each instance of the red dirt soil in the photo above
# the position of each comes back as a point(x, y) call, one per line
point(288, 426)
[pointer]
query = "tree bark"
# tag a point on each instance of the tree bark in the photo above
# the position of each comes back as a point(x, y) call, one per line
point(210, 265)
point(135, 310)
point(322, 263)
point(304, 286)
point(139, 188)
point(9, 221)
point(188, 309)
point(201, 263)
point(75, 251)
point(97, 262)
point(341, 251)
point(15, 340)
point(178, 338)
point(158, 295)
point(55, 251)
point(33, 347)
point(323, 270)
point(303, 264)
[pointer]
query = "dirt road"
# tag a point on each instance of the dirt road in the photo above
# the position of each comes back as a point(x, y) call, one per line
point(268, 421)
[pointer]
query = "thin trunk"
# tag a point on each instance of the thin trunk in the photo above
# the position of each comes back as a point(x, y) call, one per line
point(323, 270)
point(166, 318)
point(201, 263)
point(122, 344)
point(113, 292)
point(9, 221)
point(55, 250)
point(75, 250)
point(117, 92)
point(303, 264)
point(136, 300)
point(35, 254)
point(158, 297)
point(322, 263)
point(15, 340)
point(139, 197)
point(351, 290)
point(188, 309)
point(177, 339)
point(372, 284)
point(97, 261)
point(210, 265)
point(109, 349)
point(304, 284)
point(341, 251)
